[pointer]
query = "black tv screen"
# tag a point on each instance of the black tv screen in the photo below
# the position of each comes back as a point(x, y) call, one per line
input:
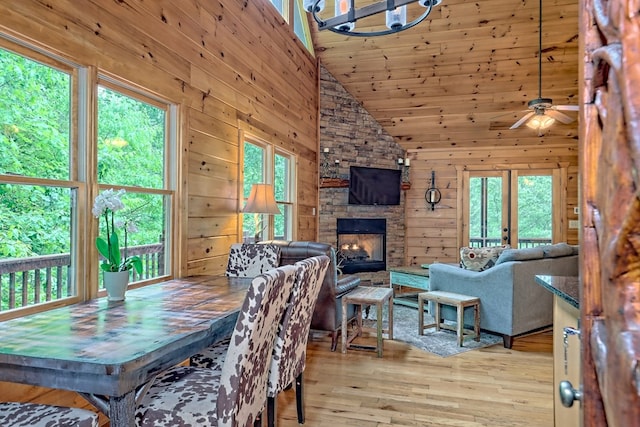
point(374, 186)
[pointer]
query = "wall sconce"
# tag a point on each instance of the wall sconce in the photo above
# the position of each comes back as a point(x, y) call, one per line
point(405, 170)
point(325, 167)
point(336, 172)
point(432, 195)
point(405, 164)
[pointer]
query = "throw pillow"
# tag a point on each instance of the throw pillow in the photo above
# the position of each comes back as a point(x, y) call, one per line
point(480, 259)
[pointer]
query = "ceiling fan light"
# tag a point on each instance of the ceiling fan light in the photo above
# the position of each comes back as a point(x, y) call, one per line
point(397, 18)
point(540, 121)
point(308, 5)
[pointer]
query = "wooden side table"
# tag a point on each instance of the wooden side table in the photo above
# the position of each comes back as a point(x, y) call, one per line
point(366, 295)
point(460, 302)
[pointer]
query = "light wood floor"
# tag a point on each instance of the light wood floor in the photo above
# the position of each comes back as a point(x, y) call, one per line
point(409, 387)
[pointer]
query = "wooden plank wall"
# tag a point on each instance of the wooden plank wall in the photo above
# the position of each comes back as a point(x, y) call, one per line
point(462, 77)
point(449, 89)
point(229, 65)
point(432, 236)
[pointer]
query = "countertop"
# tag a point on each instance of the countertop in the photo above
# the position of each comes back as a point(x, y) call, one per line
point(566, 287)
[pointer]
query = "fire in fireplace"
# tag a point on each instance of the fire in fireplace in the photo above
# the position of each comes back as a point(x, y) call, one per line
point(362, 244)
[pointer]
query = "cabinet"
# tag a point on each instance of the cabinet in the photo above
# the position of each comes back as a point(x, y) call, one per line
point(566, 357)
point(565, 315)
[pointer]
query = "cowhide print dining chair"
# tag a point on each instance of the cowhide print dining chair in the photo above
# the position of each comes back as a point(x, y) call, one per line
point(236, 395)
point(289, 354)
point(17, 414)
point(251, 260)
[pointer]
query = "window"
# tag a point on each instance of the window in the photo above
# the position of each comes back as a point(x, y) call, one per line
point(38, 186)
point(47, 177)
point(283, 185)
point(263, 164)
point(486, 210)
point(279, 5)
point(132, 153)
point(293, 13)
point(301, 25)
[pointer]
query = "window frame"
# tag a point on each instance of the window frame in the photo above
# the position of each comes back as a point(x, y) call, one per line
point(268, 172)
point(169, 190)
point(82, 176)
point(78, 187)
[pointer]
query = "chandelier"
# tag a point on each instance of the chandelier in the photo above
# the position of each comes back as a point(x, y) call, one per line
point(346, 15)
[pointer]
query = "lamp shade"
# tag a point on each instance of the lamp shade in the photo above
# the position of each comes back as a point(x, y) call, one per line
point(261, 200)
point(342, 8)
point(397, 17)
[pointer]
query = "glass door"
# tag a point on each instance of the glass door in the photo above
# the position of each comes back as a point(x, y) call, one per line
point(513, 207)
point(488, 213)
point(533, 204)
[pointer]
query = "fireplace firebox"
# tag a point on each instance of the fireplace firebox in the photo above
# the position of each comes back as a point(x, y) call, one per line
point(362, 244)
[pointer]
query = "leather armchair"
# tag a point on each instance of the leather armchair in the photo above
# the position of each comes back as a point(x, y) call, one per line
point(327, 315)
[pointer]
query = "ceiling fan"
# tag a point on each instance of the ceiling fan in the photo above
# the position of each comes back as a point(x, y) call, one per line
point(541, 112)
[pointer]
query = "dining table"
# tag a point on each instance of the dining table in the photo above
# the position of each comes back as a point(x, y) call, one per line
point(110, 351)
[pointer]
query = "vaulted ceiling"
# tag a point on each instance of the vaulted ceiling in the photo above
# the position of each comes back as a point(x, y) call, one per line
point(464, 75)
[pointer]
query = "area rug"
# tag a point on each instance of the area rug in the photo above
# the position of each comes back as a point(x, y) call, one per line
point(443, 343)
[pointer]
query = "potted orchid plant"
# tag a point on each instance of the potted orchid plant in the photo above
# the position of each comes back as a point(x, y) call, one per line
point(116, 264)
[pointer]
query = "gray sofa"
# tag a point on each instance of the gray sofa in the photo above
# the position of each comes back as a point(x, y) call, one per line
point(511, 303)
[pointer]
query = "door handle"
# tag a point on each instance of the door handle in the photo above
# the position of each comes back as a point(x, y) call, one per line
point(568, 394)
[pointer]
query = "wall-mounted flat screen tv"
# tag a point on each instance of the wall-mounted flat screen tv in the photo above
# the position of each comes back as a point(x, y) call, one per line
point(374, 186)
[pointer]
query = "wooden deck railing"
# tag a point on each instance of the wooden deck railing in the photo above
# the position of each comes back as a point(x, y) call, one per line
point(28, 281)
point(477, 242)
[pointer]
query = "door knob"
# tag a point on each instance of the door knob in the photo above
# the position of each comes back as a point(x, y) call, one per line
point(568, 394)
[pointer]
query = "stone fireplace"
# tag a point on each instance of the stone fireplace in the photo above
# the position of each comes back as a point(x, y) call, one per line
point(349, 135)
point(362, 244)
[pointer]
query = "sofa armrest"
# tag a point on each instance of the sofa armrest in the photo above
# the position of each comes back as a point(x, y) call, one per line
point(345, 284)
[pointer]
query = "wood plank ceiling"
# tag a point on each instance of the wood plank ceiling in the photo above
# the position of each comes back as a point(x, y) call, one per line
point(450, 80)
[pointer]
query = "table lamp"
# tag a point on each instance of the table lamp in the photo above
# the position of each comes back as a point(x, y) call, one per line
point(261, 201)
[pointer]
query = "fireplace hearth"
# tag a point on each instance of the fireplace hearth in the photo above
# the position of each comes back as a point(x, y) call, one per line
point(362, 244)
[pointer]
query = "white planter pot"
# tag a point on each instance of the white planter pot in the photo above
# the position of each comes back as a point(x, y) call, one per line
point(115, 282)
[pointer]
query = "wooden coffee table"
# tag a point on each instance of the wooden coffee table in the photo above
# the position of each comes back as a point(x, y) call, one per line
point(367, 295)
point(407, 282)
